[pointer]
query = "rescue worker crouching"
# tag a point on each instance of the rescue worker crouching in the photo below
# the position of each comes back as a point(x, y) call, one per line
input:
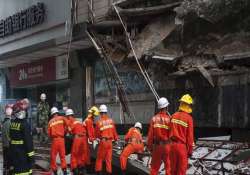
point(158, 138)
point(78, 131)
point(134, 145)
point(57, 128)
point(88, 124)
point(21, 144)
point(181, 136)
point(106, 133)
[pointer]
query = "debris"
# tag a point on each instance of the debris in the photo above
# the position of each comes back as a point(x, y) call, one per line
point(212, 11)
point(42, 164)
point(206, 74)
point(209, 157)
point(132, 12)
point(152, 35)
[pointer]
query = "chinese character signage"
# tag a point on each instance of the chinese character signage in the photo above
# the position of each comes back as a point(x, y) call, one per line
point(38, 72)
point(22, 20)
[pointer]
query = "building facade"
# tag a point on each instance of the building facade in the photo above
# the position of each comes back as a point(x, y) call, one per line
point(43, 49)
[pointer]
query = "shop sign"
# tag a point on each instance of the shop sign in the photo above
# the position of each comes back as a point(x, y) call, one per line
point(38, 72)
point(22, 20)
point(61, 67)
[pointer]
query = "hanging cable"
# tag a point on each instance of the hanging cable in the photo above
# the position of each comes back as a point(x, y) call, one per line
point(112, 69)
point(144, 73)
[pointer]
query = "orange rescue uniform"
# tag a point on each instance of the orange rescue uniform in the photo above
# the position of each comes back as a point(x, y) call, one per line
point(135, 145)
point(57, 129)
point(106, 132)
point(77, 152)
point(158, 142)
point(90, 135)
point(182, 138)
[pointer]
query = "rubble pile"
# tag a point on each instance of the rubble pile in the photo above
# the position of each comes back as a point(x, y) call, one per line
point(209, 157)
point(189, 36)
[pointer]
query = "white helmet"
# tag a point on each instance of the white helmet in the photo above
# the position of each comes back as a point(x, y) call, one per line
point(53, 110)
point(103, 108)
point(162, 103)
point(8, 111)
point(69, 112)
point(138, 125)
point(43, 96)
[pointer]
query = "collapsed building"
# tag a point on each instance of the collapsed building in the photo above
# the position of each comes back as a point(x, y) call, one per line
point(195, 46)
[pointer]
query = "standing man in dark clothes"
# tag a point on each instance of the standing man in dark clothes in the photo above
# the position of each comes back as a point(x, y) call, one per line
point(6, 140)
point(21, 142)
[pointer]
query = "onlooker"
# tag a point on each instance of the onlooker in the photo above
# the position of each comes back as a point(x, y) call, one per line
point(6, 140)
point(42, 118)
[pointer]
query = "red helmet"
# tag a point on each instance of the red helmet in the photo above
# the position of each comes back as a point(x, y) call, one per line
point(17, 107)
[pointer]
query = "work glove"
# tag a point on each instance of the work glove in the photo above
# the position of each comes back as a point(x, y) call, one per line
point(95, 143)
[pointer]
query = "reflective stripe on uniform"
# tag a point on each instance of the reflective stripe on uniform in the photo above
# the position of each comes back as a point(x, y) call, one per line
point(106, 127)
point(15, 126)
point(25, 173)
point(180, 122)
point(160, 126)
point(56, 123)
point(31, 153)
point(16, 142)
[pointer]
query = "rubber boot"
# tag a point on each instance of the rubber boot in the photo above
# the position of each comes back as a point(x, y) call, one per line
point(75, 171)
point(65, 172)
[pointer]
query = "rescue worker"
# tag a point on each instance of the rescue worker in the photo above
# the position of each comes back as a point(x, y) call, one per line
point(158, 138)
point(57, 128)
point(106, 133)
point(21, 142)
point(42, 118)
point(88, 124)
point(181, 135)
point(134, 145)
point(6, 139)
point(79, 133)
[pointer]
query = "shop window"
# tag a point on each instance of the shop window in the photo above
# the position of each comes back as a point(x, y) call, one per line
point(132, 80)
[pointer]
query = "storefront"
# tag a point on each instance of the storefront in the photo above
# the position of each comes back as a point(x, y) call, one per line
point(141, 101)
point(48, 75)
point(39, 48)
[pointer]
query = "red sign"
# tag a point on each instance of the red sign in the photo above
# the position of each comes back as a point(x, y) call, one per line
point(38, 72)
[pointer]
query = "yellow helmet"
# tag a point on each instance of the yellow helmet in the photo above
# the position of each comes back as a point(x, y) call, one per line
point(94, 110)
point(186, 99)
